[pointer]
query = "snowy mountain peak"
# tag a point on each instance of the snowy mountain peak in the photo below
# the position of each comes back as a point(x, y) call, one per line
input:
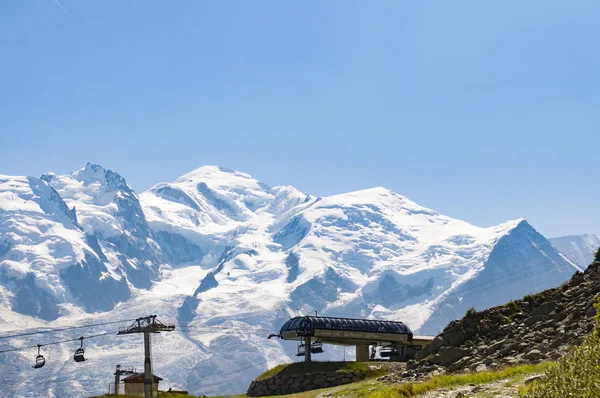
point(216, 197)
point(92, 185)
point(376, 196)
point(46, 260)
point(219, 176)
point(578, 248)
point(110, 210)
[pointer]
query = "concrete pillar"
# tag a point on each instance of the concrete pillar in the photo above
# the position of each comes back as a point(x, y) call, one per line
point(362, 353)
point(148, 379)
point(307, 352)
point(118, 380)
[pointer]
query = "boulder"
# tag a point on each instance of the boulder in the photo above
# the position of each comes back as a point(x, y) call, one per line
point(533, 378)
point(534, 355)
point(544, 309)
point(480, 368)
point(454, 339)
point(435, 359)
point(449, 355)
point(533, 319)
point(431, 348)
point(495, 347)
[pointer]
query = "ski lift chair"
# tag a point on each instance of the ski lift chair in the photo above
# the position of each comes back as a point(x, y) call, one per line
point(301, 350)
point(39, 359)
point(388, 351)
point(78, 357)
point(316, 347)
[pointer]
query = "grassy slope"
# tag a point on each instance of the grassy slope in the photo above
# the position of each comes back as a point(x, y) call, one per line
point(375, 389)
point(160, 395)
point(454, 380)
point(367, 370)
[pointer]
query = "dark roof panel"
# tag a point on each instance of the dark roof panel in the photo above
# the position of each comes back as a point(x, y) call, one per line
point(310, 323)
point(140, 377)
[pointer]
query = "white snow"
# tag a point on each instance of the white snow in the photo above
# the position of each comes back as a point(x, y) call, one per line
point(580, 249)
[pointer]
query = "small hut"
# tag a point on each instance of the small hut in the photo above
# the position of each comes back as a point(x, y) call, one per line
point(134, 384)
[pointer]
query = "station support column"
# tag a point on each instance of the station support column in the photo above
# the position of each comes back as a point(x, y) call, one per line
point(362, 353)
point(307, 352)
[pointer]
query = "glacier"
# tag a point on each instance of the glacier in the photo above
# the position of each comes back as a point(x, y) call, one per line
point(228, 259)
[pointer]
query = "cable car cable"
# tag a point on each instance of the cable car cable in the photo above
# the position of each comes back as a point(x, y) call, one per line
point(57, 342)
point(56, 330)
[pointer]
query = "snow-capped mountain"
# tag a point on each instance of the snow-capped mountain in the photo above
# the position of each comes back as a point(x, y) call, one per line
point(580, 249)
point(228, 258)
point(109, 209)
point(47, 262)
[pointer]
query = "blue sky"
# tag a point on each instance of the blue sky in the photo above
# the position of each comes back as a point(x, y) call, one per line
point(485, 111)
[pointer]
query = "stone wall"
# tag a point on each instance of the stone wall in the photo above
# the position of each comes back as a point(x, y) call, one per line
point(280, 384)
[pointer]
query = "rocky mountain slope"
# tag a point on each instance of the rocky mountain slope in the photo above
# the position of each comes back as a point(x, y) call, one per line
point(537, 327)
point(580, 249)
point(228, 258)
point(48, 262)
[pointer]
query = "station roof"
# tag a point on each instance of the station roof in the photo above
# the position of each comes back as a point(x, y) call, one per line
point(308, 324)
point(139, 378)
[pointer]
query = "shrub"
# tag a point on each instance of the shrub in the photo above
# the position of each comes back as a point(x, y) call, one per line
point(471, 312)
point(576, 374)
point(597, 256)
point(514, 307)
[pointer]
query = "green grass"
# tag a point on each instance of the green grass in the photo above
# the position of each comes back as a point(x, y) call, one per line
point(578, 371)
point(375, 389)
point(160, 395)
point(272, 371)
point(454, 380)
point(366, 370)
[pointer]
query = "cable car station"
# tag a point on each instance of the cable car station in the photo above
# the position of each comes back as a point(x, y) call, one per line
point(395, 339)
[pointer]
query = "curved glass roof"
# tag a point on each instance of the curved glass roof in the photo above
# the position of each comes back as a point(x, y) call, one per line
point(310, 323)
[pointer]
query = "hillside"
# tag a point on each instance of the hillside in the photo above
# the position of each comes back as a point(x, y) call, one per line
point(538, 327)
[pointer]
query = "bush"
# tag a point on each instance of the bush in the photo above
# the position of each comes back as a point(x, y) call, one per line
point(576, 374)
point(471, 312)
point(597, 256)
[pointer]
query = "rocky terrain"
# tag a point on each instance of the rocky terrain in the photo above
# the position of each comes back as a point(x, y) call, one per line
point(538, 327)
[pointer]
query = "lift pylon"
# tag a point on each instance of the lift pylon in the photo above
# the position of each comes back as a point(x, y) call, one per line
point(147, 325)
point(121, 370)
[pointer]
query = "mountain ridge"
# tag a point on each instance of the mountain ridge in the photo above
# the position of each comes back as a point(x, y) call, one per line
point(580, 249)
point(218, 247)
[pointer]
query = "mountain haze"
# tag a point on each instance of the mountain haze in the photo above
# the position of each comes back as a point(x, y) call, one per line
point(580, 249)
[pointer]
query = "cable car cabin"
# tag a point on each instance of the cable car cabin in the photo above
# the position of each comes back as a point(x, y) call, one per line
point(78, 357)
point(39, 359)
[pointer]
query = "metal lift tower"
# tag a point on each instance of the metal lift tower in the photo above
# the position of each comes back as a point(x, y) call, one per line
point(118, 373)
point(147, 325)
